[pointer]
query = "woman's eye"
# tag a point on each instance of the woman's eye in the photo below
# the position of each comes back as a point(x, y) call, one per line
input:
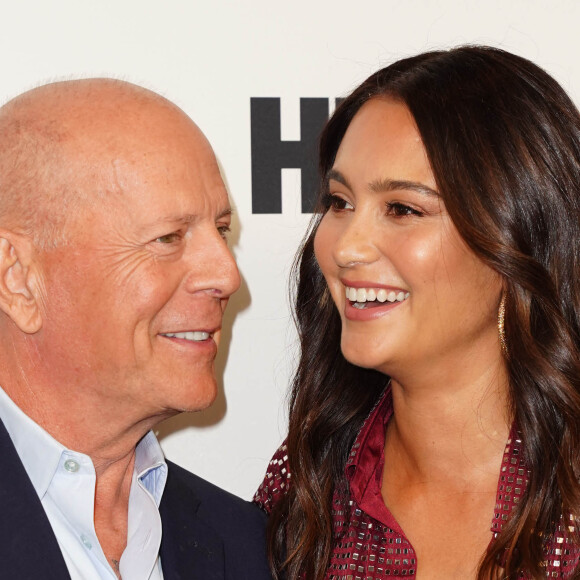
point(336, 203)
point(398, 209)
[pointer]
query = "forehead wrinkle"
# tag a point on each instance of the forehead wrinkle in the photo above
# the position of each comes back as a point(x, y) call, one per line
point(117, 172)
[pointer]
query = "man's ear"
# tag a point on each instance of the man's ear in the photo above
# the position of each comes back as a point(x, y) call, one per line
point(19, 288)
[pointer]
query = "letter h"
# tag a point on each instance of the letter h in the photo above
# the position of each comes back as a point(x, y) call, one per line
point(270, 154)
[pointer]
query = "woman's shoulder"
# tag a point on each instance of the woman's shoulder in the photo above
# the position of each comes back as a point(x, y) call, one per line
point(276, 481)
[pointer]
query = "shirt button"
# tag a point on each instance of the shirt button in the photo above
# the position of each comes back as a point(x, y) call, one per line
point(86, 542)
point(71, 466)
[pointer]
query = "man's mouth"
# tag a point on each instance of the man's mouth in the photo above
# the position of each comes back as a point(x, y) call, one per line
point(193, 335)
point(371, 297)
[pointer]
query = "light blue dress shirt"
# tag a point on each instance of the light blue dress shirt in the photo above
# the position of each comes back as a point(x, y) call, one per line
point(65, 482)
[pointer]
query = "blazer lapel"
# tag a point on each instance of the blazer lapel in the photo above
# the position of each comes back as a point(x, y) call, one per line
point(190, 548)
point(28, 546)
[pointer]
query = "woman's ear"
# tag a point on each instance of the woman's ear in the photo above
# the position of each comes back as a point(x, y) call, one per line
point(19, 288)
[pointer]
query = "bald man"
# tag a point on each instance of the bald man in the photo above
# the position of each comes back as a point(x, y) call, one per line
point(114, 276)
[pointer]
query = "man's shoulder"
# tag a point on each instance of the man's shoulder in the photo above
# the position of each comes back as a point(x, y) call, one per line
point(202, 521)
point(223, 508)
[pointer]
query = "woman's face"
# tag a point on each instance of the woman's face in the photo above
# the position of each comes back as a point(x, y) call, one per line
point(409, 291)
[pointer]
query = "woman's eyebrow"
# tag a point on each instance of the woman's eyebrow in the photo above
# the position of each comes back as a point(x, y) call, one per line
point(385, 185)
point(337, 176)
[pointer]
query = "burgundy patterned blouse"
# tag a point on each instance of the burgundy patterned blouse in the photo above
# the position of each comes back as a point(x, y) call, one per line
point(370, 545)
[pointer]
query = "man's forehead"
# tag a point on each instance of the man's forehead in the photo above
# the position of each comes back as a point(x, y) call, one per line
point(63, 145)
point(93, 112)
point(95, 121)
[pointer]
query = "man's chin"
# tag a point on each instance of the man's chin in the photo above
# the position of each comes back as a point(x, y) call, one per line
point(198, 397)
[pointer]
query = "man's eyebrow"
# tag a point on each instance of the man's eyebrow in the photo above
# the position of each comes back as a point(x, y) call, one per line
point(189, 218)
point(227, 212)
point(385, 185)
point(174, 219)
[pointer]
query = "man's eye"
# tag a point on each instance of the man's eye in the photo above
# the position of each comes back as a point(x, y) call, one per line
point(397, 209)
point(224, 231)
point(168, 238)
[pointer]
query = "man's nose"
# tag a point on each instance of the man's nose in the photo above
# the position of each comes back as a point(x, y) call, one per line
point(228, 271)
point(213, 267)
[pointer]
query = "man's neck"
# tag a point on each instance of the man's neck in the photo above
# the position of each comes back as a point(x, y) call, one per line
point(112, 507)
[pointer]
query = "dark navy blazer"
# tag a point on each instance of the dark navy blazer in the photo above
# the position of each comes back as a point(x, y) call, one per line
point(208, 534)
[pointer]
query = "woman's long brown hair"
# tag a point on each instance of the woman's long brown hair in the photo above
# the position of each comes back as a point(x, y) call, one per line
point(503, 141)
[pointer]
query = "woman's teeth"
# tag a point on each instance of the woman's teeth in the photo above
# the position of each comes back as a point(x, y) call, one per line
point(360, 296)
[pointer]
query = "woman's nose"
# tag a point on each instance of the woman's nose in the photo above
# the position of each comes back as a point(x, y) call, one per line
point(355, 244)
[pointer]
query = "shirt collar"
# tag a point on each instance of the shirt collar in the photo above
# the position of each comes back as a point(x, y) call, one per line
point(150, 466)
point(364, 468)
point(40, 453)
point(368, 448)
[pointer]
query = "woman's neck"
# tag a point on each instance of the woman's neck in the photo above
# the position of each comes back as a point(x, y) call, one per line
point(462, 418)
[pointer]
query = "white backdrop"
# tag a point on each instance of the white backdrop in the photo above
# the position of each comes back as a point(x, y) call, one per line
point(211, 57)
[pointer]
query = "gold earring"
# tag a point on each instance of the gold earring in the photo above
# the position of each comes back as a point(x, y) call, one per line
point(500, 326)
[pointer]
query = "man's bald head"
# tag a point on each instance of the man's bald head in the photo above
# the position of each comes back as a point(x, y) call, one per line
point(114, 268)
point(54, 142)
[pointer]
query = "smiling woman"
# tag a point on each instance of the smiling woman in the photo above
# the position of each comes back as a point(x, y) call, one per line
point(387, 230)
point(433, 425)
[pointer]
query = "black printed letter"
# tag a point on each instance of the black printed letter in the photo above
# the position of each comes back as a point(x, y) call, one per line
point(270, 154)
